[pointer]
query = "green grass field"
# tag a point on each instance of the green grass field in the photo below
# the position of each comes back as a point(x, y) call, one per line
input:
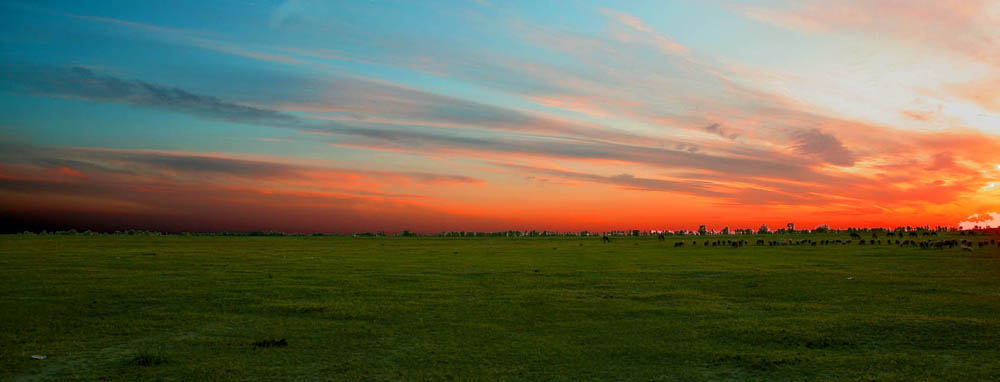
point(191, 308)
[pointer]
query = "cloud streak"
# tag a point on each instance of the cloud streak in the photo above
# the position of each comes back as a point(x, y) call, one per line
point(82, 83)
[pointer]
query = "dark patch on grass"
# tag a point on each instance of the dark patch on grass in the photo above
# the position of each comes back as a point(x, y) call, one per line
point(147, 358)
point(828, 343)
point(351, 317)
point(296, 310)
point(706, 274)
point(149, 254)
point(755, 361)
point(270, 343)
point(475, 275)
point(783, 338)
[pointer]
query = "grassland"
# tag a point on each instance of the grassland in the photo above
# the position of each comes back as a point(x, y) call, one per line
point(191, 309)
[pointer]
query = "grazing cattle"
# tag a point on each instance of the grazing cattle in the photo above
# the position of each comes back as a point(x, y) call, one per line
point(661, 238)
point(606, 239)
point(760, 241)
point(874, 236)
point(967, 248)
point(679, 244)
point(854, 235)
point(938, 244)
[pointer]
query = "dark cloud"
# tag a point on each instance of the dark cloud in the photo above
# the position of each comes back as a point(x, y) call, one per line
point(684, 156)
point(151, 163)
point(717, 129)
point(945, 163)
point(35, 186)
point(84, 84)
point(647, 184)
point(438, 178)
point(686, 147)
point(203, 164)
point(817, 144)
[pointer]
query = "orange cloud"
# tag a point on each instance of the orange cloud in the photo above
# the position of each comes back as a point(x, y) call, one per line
point(983, 93)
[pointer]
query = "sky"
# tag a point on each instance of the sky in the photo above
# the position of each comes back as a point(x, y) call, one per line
point(487, 115)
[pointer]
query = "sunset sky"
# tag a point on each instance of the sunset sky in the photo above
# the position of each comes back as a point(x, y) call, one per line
point(305, 116)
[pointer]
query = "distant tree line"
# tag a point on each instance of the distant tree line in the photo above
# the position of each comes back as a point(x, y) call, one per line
point(703, 230)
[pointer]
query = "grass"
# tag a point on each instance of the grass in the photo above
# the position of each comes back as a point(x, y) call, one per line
point(551, 309)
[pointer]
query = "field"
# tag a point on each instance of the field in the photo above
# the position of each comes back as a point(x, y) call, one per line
point(556, 308)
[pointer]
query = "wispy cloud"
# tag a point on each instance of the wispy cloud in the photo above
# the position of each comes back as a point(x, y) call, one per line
point(82, 83)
